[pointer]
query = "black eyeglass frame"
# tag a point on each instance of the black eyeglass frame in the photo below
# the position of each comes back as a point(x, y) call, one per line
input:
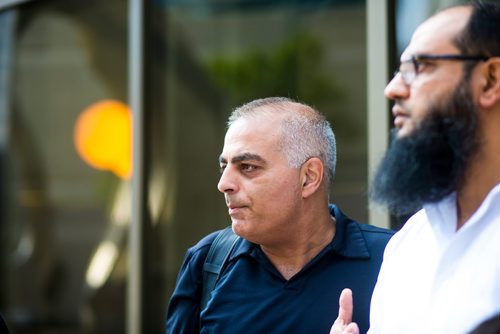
point(417, 59)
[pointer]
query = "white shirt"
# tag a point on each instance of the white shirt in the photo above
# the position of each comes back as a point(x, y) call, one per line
point(435, 279)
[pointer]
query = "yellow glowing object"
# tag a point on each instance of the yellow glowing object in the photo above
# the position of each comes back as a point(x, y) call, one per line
point(103, 137)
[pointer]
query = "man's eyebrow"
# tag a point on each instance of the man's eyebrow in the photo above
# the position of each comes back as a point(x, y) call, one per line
point(243, 157)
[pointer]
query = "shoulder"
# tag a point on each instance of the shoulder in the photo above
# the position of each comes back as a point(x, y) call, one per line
point(368, 229)
point(412, 229)
point(416, 222)
point(195, 256)
point(369, 232)
point(376, 238)
point(358, 240)
point(183, 309)
point(201, 248)
point(373, 233)
point(205, 242)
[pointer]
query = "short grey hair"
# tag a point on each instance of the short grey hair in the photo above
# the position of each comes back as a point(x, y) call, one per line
point(305, 132)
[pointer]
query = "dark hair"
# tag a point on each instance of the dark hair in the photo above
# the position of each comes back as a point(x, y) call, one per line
point(481, 35)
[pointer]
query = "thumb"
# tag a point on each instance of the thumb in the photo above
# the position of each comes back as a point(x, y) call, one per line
point(345, 306)
point(343, 324)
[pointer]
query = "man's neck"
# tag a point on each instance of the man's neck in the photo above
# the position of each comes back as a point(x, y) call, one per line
point(482, 176)
point(289, 259)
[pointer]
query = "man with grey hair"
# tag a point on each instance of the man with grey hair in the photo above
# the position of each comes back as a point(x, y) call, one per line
point(296, 252)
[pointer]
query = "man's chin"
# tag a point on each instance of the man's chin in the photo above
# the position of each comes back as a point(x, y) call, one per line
point(239, 226)
point(244, 229)
point(404, 131)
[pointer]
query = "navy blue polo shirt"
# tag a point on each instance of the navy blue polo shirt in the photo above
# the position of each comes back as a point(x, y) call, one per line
point(252, 296)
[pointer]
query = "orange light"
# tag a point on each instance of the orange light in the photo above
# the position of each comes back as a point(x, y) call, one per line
point(103, 137)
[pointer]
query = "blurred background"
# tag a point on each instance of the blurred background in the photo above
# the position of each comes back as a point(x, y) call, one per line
point(66, 136)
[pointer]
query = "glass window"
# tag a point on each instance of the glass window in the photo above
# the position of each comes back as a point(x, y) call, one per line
point(63, 73)
point(65, 138)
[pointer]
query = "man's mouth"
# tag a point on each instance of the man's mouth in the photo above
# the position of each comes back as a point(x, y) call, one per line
point(234, 209)
point(400, 116)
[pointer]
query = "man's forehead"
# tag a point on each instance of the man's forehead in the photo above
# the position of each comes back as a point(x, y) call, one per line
point(436, 35)
point(250, 143)
point(247, 130)
point(248, 149)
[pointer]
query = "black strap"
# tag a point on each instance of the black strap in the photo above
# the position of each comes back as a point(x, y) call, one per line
point(214, 263)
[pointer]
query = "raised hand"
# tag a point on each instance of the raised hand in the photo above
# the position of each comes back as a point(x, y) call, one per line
point(343, 324)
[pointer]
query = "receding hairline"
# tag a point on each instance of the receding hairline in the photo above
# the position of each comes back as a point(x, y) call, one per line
point(281, 110)
point(302, 131)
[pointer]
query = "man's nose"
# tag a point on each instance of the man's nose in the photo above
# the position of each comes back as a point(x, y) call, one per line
point(396, 89)
point(227, 182)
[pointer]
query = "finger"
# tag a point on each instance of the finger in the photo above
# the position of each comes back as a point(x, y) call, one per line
point(340, 328)
point(345, 306)
point(352, 328)
point(337, 327)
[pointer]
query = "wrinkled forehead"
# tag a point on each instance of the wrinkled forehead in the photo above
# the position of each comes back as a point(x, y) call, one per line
point(436, 35)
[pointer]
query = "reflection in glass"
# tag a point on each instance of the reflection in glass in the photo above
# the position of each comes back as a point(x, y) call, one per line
point(56, 209)
point(65, 223)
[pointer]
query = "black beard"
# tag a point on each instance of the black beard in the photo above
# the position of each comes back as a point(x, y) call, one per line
point(432, 161)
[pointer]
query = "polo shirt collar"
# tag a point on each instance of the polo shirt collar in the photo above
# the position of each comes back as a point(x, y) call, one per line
point(347, 242)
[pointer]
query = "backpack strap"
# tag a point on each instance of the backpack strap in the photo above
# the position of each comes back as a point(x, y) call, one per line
point(215, 262)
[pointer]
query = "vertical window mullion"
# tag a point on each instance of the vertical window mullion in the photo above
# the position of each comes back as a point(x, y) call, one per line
point(378, 106)
point(136, 102)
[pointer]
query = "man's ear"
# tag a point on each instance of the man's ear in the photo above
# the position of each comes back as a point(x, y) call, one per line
point(489, 96)
point(311, 174)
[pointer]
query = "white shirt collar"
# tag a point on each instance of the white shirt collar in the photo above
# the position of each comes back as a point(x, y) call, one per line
point(443, 214)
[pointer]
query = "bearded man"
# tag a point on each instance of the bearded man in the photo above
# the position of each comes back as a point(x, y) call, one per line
point(441, 272)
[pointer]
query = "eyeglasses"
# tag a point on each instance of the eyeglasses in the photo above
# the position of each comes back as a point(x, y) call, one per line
point(410, 68)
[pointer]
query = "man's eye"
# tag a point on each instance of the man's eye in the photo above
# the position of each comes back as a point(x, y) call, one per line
point(421, 65)
point(222, 168)
point(247, 168)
